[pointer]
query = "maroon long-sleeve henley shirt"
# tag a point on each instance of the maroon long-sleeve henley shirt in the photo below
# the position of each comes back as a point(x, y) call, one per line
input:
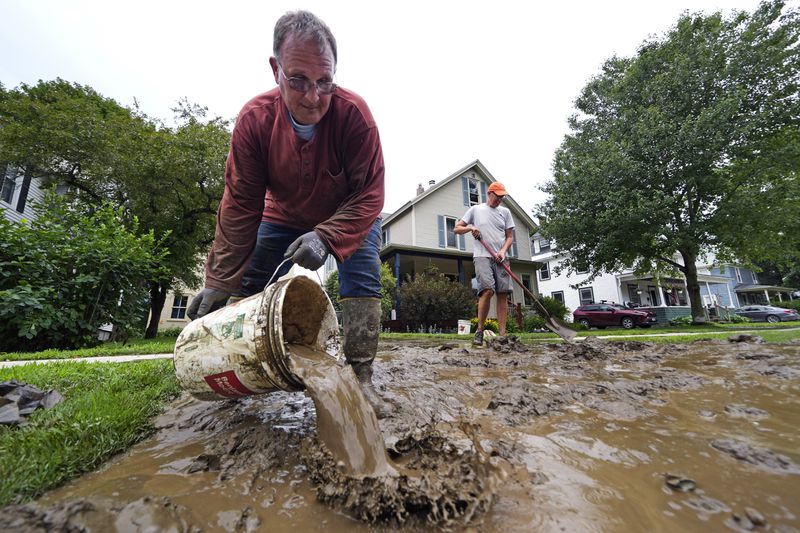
point(332, 183)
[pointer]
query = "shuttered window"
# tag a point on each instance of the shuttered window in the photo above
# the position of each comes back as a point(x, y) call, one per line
point(473, 191)
point(447, 234)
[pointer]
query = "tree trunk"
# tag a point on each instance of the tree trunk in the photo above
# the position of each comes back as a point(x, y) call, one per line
point(693, 287)
point(158, 295)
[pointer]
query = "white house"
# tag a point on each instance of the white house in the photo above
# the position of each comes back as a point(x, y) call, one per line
point(723, 286)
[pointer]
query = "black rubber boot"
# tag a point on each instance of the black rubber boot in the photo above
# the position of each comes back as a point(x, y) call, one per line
point(362, 319)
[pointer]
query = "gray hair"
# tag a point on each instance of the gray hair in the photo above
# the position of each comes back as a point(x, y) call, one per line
point(305, 26)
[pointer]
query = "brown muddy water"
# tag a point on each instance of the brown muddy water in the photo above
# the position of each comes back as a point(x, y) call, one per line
point(598, 436)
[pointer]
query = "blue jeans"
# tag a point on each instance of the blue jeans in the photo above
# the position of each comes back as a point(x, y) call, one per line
point(359, 275)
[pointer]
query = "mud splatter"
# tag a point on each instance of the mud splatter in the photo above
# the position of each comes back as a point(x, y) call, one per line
point(756, 455)
point(441, 485)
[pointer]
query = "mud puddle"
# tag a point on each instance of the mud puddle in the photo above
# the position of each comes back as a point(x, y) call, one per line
point(601, 436)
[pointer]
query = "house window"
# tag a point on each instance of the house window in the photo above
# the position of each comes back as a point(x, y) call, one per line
point(450, 233)
point(385, 237)
point(512, 252)
point(754, 277)
point(179, 306)
point(474, 192)
point(738, 274)
point(8, 184)
point(526, 282)
point(557, 296)
point(586, 295)
point(544, 245)
point(544, 272)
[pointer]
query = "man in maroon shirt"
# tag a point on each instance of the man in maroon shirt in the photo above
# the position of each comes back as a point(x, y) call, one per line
point(304, 179)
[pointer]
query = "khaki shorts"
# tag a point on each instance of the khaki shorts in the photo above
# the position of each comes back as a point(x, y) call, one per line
point(491, 275)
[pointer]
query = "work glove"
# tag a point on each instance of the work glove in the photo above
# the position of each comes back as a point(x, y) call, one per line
point(206, 301)
point(308, 251)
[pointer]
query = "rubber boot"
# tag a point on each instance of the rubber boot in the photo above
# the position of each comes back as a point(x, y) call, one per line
point(362, 319)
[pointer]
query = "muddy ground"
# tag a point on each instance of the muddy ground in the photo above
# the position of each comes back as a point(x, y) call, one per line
point(598, 436)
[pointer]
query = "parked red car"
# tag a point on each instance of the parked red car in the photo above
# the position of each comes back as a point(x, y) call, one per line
point(603, 315)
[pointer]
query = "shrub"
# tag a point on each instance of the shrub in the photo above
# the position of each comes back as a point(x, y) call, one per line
point(431, 298)
point(556, 308)
point(490, 324)
point(511, 325)
point(738, 319)
point(790, 304)
point(170, 332)
point(533, 322)
point(388, 287)
point(66, 273)
point(681, 321)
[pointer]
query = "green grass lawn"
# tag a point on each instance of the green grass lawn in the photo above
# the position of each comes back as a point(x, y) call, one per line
point(107, 408)
point(161, 344)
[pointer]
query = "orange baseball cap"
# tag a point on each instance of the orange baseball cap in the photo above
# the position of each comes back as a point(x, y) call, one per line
point(498, 188)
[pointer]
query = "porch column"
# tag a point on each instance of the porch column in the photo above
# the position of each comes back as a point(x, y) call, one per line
point(397, 281)
point(766, 293)
point(779, 297)
point(730, 296)
point(460, 271)
point(662, 300)
point(685, 293)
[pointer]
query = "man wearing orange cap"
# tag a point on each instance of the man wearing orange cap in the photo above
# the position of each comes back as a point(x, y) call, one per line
point(493, 223)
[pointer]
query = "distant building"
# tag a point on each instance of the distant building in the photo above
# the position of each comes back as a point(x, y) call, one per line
point(721, 285)
point(19, 194)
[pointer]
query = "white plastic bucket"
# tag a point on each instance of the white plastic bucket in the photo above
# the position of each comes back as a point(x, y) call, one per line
point(464, 327)
point(240, 349)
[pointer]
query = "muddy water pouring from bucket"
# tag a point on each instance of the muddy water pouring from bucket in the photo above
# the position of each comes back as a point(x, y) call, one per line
point(281, 339)
point(346, 423)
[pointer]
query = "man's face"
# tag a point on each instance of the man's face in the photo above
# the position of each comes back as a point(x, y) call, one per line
point(304, 59)
point(494, 200)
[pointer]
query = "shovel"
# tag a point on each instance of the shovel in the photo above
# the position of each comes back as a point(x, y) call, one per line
point(553, 324)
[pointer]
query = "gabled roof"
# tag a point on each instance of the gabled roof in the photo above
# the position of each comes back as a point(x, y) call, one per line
point(485, 174)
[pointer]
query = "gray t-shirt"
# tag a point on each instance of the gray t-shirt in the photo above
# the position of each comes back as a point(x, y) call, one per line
point(493, 223)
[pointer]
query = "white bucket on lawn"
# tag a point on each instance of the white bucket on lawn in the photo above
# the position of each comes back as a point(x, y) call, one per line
point(464, 327)
point(240, 349)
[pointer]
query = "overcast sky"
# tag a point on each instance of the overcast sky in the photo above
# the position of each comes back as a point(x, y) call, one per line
point(447, 81)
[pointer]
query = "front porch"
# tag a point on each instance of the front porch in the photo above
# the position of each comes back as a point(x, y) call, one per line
point(762, 294)
point(407, 261)
point(668, 298)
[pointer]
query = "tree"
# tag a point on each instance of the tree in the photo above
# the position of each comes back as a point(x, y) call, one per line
point(676, 151)
point(388, 283)
point(176, 193)
point(69, 272)
point(431, 298)
point(169, 178)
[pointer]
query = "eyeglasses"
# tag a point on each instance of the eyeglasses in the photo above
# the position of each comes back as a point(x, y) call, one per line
point(303, 85)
